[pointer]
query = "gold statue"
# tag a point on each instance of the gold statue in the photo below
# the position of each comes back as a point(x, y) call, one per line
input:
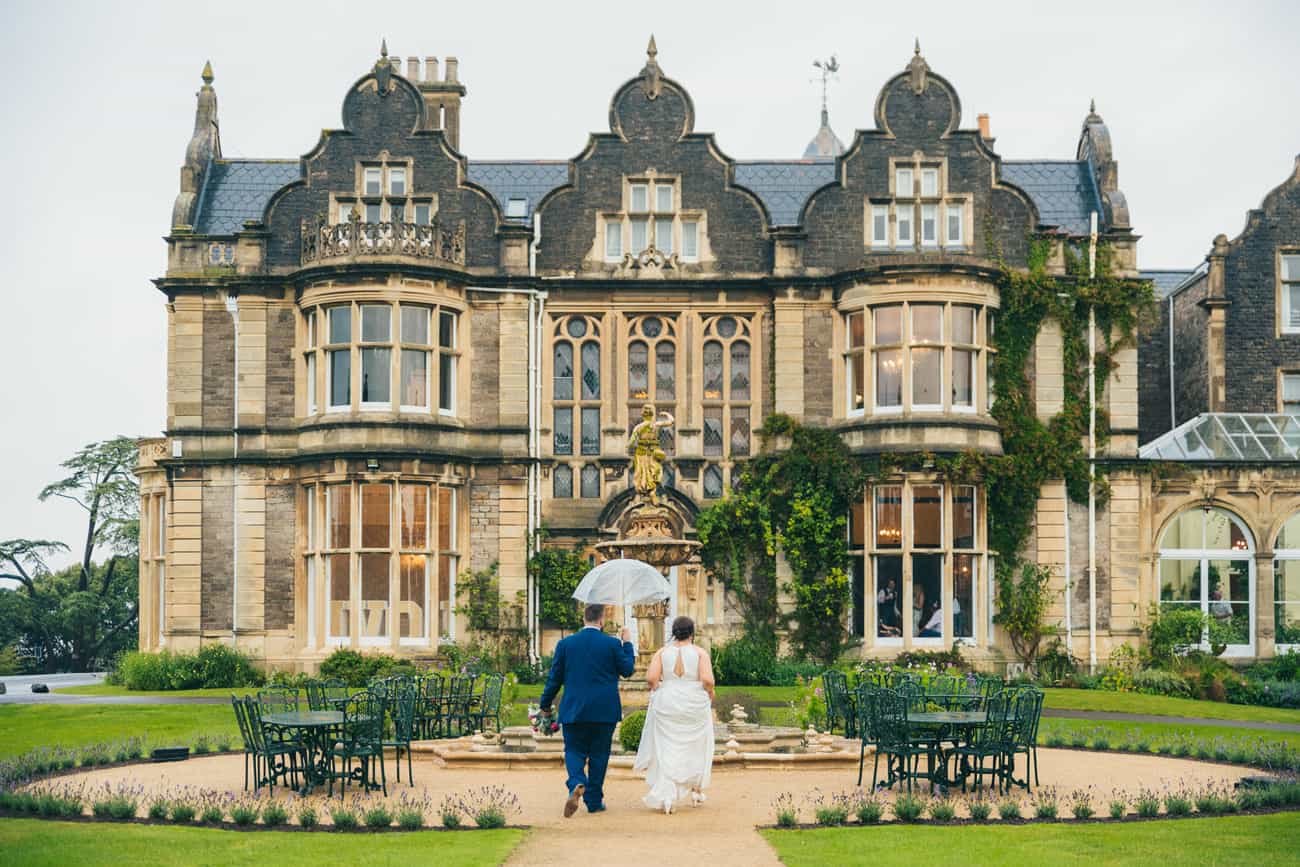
point(647, 456)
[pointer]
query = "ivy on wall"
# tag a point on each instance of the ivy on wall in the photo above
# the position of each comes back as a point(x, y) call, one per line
point(796, 499)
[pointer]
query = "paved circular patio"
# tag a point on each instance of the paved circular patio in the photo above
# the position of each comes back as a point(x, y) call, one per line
point(721, 832)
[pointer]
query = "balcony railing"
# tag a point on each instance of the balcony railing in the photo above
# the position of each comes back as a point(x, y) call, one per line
point(323, 240)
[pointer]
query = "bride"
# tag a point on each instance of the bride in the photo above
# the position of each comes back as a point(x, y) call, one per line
point(677, 741)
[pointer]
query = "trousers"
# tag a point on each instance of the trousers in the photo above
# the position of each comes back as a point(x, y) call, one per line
point(586, 758)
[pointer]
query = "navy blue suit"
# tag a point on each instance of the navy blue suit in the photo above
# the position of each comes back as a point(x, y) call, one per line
point(588, 665)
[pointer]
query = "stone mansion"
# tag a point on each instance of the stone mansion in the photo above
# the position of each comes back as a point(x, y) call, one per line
point(390, 363)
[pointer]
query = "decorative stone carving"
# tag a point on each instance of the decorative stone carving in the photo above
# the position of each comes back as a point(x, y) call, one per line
point(651, 75)
point(325, 240)
point(917, 69)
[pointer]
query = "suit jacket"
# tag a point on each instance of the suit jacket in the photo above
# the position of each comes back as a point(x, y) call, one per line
point(588, 665)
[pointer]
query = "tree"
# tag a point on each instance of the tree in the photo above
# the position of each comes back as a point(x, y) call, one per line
point(1022, 602)
point(73, 618)
point(557, 572)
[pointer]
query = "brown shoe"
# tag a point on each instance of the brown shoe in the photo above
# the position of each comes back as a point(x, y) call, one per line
point(575, 798)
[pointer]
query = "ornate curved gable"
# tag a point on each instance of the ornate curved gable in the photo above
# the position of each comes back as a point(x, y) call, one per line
point(918, 117)
point(652, 142)
point(385, 125)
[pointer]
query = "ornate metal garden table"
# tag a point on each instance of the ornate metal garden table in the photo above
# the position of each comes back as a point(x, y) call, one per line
point(940, 726)
point(315, 727)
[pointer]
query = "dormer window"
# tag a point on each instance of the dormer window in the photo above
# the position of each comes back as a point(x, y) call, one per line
point(921, 214)
point(373, 181)
point(516, 208)
point(652, 218)
point(397, 181)
point(384, 196)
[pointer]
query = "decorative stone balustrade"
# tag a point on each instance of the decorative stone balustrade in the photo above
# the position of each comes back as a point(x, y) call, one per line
point(323, 241)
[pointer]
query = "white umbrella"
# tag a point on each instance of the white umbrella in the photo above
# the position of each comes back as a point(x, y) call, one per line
point(623, 582)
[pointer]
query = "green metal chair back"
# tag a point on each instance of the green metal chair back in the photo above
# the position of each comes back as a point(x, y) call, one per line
point(278, 699)
point(315, 695)
point(241, 720)
point(402, 709)
point(889, 720)
point(864, 708)
point(363, 719)
point(1028, 712)
point(256, 728)
point(837, 698)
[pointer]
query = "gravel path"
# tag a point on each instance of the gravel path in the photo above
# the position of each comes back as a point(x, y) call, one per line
point(718, 834)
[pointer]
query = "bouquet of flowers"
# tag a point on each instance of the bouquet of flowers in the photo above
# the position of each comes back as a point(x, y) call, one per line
point(543, 722)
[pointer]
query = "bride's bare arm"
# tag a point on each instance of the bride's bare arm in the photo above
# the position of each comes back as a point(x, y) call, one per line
point(655, 671)
point(706, 672)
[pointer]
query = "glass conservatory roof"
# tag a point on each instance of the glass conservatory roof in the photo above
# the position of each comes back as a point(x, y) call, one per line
point(1229, 436)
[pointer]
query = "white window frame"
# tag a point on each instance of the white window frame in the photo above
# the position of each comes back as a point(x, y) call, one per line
point(396, 175)
point(516, 208)
point(1292, 376)
point(1205, 555)
point(1289, 282)
point(690, 232)
point(362, 344)
point(613, 232)
point(929, 182)
point(912, 344)
point(375, 173)
point(905, 215)
point(400, 347)
point(957, 210)
point(639, 190)
point(452, 351)
point(930, 218)
point(904, 183)
point(880, 220)
point(1288, 554)
point(660, 206)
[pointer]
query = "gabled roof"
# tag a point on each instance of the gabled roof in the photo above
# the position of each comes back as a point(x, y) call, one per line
point(1166, 280)
point(529, 180)
point(1229, 436)
point(238, 190)
point(1064, 191)
point(785, 185)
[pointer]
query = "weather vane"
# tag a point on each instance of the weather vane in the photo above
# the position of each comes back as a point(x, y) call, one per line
point(829, 72)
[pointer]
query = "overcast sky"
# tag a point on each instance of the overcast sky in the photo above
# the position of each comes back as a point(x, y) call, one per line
point(98, 106)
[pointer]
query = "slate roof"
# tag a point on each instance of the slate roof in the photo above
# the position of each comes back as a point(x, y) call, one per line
point(238, 190)
point(1166, 280)
point(785, 185)
point(529, 180)
point(1064, 191)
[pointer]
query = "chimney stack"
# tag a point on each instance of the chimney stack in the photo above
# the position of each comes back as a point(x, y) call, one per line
point(442, 96)
point(984, 128)
point(452, 64)
point(430, 69)
point(413, 69)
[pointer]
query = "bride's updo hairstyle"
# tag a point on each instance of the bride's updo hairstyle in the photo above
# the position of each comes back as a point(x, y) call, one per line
point(683, 628)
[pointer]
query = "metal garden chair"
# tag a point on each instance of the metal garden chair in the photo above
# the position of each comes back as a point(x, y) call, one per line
point(360, 740)
point(401, 708)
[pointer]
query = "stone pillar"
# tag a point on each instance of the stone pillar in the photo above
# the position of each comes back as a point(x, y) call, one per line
point(1265, 625)
point(1216, 303)
point(788, 362)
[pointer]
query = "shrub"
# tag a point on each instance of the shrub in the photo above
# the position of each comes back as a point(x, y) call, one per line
point(307, 817)
point(629, 733)
point(1172, 631)
point(1154, 681)
point(202, 745)
point(788, 671)
point(1081, 804)
point(344, 818)
point(979, 809)
point(832, 815)
point(183, 811)
point(452, 812)
point(746, 661)
point(1055, 740)
point(1046, 803)
point(244, 813)
point(274, 814)
point(1147, 804)
point(213, 810)
point(1100, 742)
point(1178, 803)
point(411, 812)
point(787, 815)
point(157, 809)
point(908, 808)
point(1009, 808)
point(378, 816)
point(869, 811)
point(215, 666)
point(942, 810)
point(357, 669)
point(491, 806)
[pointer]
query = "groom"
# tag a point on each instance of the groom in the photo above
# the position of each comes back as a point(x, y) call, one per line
point(588, 665)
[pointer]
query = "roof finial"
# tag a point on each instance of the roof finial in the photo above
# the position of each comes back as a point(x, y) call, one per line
point(829, 69)
point(917, 68)
point(916, 52)
point(651, 74)
point(1092, 105)
point(383, 47)
point(207, 73)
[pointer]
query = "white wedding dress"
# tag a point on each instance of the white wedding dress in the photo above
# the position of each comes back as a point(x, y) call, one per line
point(676, 749)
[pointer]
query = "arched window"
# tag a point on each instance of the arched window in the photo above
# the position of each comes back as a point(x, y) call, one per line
point(1286, 583)
point(726, 394)
point(575, 410)
point(1207, 564)
point(653, 341)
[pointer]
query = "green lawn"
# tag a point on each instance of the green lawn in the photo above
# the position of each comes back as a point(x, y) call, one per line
point(1162, 705)
point(1248, 840)
point(1119, 732)
point(109, 689)
point(36, 842)
point(27, 726)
